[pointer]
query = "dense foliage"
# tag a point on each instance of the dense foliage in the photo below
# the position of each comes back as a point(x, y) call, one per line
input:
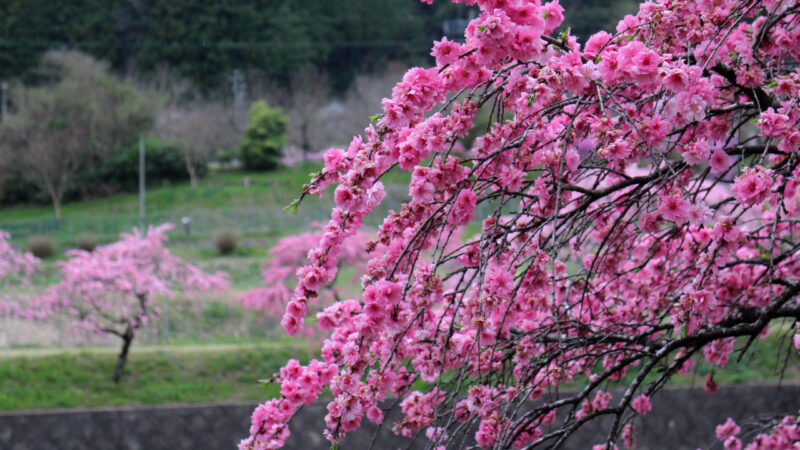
point(120, 170)
point(206, 41)
point(633, 222)
point(114, 173)
point(263, 139)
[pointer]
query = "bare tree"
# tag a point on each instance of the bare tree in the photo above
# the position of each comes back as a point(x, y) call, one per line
point(306, 96)
point(199, 130)
point(339, 119)
point(320, 119)
point(61, 127)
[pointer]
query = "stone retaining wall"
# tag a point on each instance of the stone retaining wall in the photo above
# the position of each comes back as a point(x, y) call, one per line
point(681, 419)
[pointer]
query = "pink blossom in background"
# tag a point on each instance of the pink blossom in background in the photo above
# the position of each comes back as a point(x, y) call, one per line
point(114, 288)
point(14, 264)
point(287, 256)
point(16, 268)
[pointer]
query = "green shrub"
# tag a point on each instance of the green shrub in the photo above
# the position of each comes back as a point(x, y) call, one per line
point(264, 137)
point(86, 241)
point(226, 242)
point(15, 189)
point(41, 246)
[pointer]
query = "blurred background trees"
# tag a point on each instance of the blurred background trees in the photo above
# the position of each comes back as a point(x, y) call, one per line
point(199, 131)
point(76, 118)
point(206, 41)
point(89, 78)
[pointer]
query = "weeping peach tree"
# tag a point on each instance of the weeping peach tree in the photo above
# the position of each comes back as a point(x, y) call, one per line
point(636, 200)
point(113, 289)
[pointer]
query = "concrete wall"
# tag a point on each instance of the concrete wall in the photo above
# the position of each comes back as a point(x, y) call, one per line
point(681, 419)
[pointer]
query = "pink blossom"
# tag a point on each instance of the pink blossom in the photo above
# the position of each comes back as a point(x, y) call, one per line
point(627, 436)
point(463, 211)
point(720, 161)
point(790, 142)
point(375, 415)
point(641, 404)
point(674, 207)
point(445, 51)
point(753, 185)
point(697, 152)
point(773, 124)
point(727, 430)
point(554, 16)
point(595, 43)
point(733, 443)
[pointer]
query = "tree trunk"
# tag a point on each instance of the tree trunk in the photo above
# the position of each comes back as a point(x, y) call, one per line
point(127, 339)
point(193, 177)
point(191, 168)
point(55, 197)
point(57, 207)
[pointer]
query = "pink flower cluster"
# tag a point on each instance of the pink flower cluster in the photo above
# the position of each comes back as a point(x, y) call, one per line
point(16, 269)
point(418, 92)
point(782, 124)
point(753, 185)
point(13, 263)
point(116, 284)
point(287, 255)
point(784, 435)
point(641, 404)
point(300, 385)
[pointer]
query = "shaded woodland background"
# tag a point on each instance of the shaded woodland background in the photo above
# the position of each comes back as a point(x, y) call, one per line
point(184, 76)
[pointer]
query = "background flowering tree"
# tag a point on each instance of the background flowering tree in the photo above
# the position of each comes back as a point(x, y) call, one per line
point(15, 270)
point(112, 289)
point(634, 222)
point(287, 256)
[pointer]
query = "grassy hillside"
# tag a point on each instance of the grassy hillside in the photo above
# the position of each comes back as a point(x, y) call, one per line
point(249, 203)
point(154, 375)
point(223, 199)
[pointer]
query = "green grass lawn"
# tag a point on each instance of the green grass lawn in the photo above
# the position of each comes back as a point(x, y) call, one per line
point(154, 375)
point(223, 200)
point(249, 203)
point(218, 189)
